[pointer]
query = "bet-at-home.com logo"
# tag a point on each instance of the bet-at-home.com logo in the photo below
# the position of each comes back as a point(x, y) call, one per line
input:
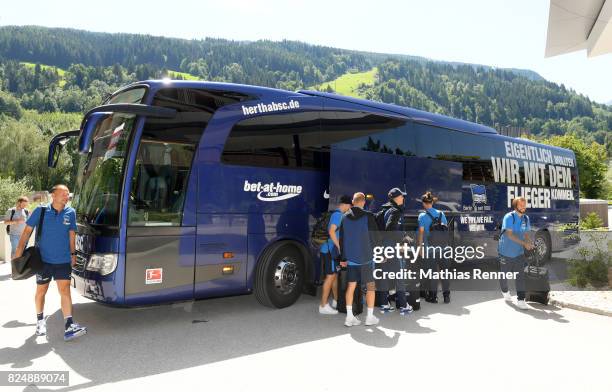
point(272, 191)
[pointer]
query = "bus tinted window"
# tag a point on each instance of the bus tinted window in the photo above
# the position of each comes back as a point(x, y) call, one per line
point(289, 140)
point(367, 132)
point(475, 152)
point(433, 142)
point(133, 95)
point(166, 152)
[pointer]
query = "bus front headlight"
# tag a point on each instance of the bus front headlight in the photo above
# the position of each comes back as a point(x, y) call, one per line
point(102, 263)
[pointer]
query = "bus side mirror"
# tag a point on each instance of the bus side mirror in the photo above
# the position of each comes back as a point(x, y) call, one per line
point(91, 123)
point(56, 145)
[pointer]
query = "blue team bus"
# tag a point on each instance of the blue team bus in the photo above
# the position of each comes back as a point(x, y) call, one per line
point(189, 190)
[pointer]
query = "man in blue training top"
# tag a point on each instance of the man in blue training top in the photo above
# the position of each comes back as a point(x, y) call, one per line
point(356, 246)
point(57, 249)
point(329, 251)
point(432, 262)
point(513, 241)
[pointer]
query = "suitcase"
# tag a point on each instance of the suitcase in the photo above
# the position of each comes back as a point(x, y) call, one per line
point(537, 283)
point(357, 296)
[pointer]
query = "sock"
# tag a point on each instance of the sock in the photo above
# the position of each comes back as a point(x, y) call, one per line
point(68, 321)
point(334, 303)
point(370, 312)
point(39, 316)
point(349, 311)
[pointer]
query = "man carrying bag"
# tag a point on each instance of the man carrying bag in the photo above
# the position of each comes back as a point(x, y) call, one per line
point(513, 241)
point(56, 242)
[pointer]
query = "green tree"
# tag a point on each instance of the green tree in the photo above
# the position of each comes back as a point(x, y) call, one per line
point(10, 190)
point(10, 106)
point(591, 160)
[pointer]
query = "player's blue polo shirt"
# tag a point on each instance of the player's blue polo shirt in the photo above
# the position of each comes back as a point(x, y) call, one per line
point(519, 226)
point(55, 237)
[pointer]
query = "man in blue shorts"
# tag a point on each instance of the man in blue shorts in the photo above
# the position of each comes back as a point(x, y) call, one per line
point(57, 249)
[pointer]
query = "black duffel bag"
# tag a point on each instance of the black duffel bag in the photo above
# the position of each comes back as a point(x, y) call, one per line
point(30, 261)
point(537, 283)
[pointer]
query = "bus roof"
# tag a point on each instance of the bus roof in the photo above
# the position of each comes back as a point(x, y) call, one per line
point(272, 93)
point(413, 114)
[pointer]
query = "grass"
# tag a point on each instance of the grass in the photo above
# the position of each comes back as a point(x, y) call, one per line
point(348, 84)
point(61, 72)
point(183, 75)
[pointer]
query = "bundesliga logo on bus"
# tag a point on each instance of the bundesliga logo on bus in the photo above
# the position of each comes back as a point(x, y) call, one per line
point(272, 191)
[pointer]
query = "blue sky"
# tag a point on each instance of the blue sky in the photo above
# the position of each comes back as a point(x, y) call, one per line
point(501, 33)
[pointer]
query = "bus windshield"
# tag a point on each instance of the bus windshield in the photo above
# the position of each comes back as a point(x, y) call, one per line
point(99, 179)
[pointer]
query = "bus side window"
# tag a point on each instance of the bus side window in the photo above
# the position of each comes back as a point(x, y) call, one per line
point(433, 142)
point(278, 141)
point(166, 152)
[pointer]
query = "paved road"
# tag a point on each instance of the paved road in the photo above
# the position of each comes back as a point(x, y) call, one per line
point(477, 343)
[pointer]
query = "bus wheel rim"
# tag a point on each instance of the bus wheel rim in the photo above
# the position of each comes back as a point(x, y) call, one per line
point(285, 276)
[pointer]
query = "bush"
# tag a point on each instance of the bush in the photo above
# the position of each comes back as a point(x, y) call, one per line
point(10, 106)
point(9, 192)
point(591, 221)
point(591, 268)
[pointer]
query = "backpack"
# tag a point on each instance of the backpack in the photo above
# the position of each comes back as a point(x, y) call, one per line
point(379, 217)
point(497, 236)
point(13, 210)
point(438, 231)
point(320, 233)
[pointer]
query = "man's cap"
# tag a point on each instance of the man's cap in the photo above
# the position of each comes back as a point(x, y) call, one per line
point(345, 199)
point(395, 192)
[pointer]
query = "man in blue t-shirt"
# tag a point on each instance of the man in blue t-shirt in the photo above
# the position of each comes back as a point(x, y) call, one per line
point(329, 251)
point(57, 249)
point(513, 240)
point(430, 261)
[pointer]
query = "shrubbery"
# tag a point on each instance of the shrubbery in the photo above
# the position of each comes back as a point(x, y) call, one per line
point(10, 190)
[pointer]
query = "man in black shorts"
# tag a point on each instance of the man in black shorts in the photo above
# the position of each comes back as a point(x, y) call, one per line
point(57, 249)
point(356, 244)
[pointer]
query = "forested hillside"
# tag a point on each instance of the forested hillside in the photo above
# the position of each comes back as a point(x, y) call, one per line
point(44, 71)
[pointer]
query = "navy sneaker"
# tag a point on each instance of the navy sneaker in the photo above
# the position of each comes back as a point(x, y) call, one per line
point(386, 308)
point(405, 311)
point(74, 331)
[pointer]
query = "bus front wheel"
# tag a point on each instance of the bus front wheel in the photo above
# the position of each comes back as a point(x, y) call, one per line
point(279, 276)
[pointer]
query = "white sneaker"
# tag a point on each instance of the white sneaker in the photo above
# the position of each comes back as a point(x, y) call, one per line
point(371, 320)
point(41, 327)
point(351, 321)
point(327, 309)
point(507, 296)
point(522, 305)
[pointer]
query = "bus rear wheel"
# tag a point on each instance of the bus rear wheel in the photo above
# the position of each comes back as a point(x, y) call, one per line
point(279, 276)
point(543, 246)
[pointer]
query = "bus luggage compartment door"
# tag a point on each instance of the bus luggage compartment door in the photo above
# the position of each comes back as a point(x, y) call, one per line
point(159, 264)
